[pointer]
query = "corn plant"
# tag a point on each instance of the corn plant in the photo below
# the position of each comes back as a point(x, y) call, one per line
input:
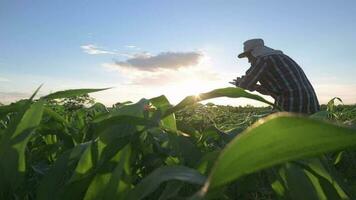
point(138, 151)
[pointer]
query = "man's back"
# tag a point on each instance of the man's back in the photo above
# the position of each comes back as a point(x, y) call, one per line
point(285, 81)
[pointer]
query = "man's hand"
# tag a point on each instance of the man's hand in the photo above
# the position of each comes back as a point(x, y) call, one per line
point(236, 81)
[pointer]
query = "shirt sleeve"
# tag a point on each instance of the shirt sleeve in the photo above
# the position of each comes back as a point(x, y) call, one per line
point(253, 75)
point(262, 90)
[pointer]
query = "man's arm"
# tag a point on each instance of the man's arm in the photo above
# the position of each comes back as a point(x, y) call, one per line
point(258, 88)
point(253, 75)
point(262, 90)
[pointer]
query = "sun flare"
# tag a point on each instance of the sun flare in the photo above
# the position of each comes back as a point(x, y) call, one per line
point(189, 87)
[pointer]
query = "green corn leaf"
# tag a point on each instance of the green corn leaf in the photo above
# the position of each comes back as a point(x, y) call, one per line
point(88, 161)
point(162, 104)
point(57, 117)
point(71, 93)
point(151, 182)
point(35, 93)
point(107, 183)
point(51, 186)
point(321, 115)
point(278, 138)
point(14, 142)
point(134, 110)
point(298, 185)
point(223, 92)
point(121, 119)
point(330, 185)
point(185, 148)
point(95, 156)
point(331, 104)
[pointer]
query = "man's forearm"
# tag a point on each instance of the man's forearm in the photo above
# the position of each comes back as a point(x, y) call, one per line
point(261, 90)
point(256, 87)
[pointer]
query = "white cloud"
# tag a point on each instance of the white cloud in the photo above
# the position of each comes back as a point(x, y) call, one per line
point(165, 68)
point(164, 60)
point(132, 47)
point(94, 50)
point(175, 81)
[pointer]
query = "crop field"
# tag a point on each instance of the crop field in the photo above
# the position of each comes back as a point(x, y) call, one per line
point(67, 146)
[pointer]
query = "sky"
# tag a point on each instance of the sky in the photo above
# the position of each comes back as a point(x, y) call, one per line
point(177, 48)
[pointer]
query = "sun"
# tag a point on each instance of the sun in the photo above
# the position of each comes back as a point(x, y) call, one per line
point(189, 87)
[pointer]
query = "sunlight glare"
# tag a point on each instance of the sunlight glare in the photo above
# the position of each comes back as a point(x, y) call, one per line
point(189, 87)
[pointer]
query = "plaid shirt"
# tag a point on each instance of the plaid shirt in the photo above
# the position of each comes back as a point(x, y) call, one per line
point(282, 78)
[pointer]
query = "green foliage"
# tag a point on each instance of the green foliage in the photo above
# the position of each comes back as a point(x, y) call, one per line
point(66, 146)
point(261, 146)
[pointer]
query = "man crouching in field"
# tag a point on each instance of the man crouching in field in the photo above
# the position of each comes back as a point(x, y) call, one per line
point(278, 76)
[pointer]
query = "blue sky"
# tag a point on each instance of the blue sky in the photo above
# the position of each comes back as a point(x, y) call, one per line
point(71, 44)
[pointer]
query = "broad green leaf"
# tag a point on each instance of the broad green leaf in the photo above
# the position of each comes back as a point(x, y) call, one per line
point(98, 107)
point(51, 186)
point(96, 159)
point(14, 142)
point(278, 138)
point(298, 185)
point(134, 110)
point(223, 92)
point(185, 148)
point(88, 161)
point(118, 187)
point(151, 182)
point(107, 183)
point(71, 93)
point(162, 104)
point(120, 119)
point(329, 184)
point(95, 156)
point(321, 115)
point(55, 116)
point(114, 132)
point(322, 187)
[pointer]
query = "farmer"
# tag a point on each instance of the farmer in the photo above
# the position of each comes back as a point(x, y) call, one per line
point(274, 73)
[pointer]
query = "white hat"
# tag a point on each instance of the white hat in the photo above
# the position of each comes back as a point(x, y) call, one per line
point(257, 48)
